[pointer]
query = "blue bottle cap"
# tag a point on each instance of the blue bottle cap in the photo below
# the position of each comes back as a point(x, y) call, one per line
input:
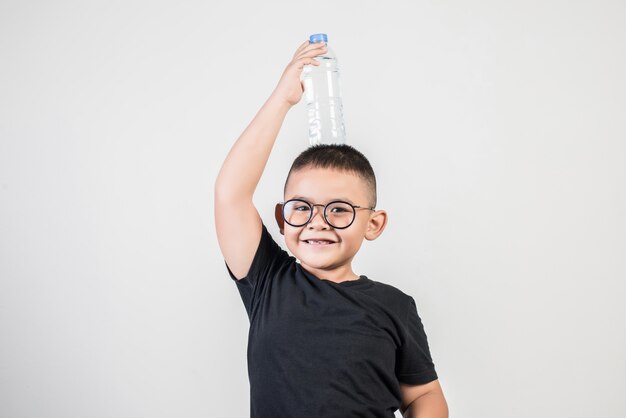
point(318, 37)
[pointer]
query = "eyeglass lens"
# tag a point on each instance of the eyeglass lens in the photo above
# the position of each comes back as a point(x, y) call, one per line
point(298, 213)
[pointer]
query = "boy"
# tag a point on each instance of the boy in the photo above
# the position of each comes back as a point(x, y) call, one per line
point(323, 341)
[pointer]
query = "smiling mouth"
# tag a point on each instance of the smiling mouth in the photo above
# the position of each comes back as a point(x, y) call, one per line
point(319, 243)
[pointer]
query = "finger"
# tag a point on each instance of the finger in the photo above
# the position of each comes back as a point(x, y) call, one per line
point(313, 52)
point(299, 64)
point(320, 44)
point(301, 47)
point(312, 46)
point(307, 61)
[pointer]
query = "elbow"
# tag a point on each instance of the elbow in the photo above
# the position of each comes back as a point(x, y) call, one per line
point(431, 405)
point(225, 190)
point(226, 199)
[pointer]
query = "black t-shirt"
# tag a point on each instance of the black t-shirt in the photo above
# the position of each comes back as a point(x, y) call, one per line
point(317, 348)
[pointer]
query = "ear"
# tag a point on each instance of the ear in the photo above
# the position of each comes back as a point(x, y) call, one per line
point(376, 225)
point(278, 214)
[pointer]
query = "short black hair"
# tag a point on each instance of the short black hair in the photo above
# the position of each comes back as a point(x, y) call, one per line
point(341, 157)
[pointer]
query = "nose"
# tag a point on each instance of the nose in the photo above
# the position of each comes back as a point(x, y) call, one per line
point(317, 220)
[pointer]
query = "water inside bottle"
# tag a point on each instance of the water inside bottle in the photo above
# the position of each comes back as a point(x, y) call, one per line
point(323, 100)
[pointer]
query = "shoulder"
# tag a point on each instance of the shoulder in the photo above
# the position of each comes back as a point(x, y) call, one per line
point(392, 296)
point(269, 260)
point(390, 290)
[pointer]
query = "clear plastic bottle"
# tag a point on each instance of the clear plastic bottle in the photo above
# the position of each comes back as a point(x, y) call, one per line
point(323, 97)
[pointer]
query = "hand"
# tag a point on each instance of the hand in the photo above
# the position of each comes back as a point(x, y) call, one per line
point(289, 87)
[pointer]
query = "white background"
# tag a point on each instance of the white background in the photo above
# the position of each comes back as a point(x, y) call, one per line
point(497, 131)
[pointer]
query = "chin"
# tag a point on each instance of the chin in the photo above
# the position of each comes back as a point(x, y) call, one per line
point(320, 262)
point(316, 262)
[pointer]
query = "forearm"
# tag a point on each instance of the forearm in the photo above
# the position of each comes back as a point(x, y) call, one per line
point(430, 405)
point(244, 165)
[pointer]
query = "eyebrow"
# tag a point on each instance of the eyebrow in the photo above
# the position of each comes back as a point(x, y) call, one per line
point(345, 199)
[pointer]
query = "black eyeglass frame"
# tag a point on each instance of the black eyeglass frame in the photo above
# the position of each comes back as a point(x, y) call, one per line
point(312, 211)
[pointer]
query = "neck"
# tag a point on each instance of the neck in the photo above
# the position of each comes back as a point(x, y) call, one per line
point(337, 275)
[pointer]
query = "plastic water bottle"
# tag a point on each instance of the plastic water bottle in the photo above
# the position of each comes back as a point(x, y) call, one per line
point(323, 97)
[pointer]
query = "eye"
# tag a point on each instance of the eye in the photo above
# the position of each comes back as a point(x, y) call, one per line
point(338, 210)
point(301, 208)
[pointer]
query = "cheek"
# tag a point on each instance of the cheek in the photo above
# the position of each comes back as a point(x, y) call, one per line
point(352, 234)
point(356, 232)
point(359, 227)
point(291, 237)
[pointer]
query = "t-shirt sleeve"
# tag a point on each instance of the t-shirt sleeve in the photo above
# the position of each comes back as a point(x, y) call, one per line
point(414, 364)
point(268, 260)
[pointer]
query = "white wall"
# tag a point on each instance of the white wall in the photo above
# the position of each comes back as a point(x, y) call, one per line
point(497, 131)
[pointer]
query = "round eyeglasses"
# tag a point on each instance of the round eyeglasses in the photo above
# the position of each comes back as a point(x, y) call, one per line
point(338, 214)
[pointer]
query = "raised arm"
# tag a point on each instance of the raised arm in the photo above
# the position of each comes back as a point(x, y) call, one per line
point(237, 222)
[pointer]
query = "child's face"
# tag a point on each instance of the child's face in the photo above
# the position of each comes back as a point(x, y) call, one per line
point(321, 186)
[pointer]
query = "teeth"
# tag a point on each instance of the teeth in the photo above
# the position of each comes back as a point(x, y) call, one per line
point(318, 242)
